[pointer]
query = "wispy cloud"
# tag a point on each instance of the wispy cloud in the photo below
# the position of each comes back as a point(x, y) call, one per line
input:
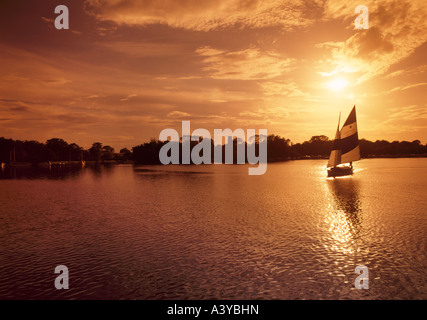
point(248, 64)
point(413, 112)
point(401, 88)
point(201, 15)
point(282, 88)
point(128, 97)
point(178, 114)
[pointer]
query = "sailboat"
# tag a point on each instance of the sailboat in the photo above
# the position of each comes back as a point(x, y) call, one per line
point(345, 148)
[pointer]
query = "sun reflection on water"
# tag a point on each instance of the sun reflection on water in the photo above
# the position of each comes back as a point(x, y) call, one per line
point(343, 214)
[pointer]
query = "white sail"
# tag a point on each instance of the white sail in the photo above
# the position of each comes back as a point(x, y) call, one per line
point(353, 155)
point(335, 157)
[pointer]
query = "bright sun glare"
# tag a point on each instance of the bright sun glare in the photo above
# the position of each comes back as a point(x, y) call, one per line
point(337, 84)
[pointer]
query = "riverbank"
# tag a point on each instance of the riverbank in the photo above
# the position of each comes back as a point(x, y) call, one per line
point(116, 162)
point(64, 163)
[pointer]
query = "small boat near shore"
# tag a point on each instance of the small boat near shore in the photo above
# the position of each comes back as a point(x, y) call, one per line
point(66, 163)
point(45, 164)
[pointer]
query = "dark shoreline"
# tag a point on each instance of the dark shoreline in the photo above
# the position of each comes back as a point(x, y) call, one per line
point(130, 162)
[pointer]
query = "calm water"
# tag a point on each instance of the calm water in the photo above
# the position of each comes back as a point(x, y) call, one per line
point(213, 232)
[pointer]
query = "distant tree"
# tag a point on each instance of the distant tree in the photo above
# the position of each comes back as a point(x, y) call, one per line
point(36, 152)
point(107, 153)
point(148, 153)
point(59, 148)
point(366, 148)
point(125, 154)
point(6, 150)
point(95, 151)
point(317, 146)
point(320, 138)
point(278, 148)
point(76, 152)
point(382, 147)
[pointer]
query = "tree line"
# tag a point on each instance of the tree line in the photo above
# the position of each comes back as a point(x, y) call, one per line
point(56, 150)
point(278, 149)
point(281, 149)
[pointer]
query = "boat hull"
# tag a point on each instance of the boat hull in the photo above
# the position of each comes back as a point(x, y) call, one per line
point(340, 171)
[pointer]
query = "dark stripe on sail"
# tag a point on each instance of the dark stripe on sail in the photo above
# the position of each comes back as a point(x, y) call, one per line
point(349, 143)
point(336, 145)
point(346, 144)
point(351, 117)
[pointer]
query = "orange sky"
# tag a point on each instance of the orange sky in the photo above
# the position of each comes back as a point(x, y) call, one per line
point(128, 69)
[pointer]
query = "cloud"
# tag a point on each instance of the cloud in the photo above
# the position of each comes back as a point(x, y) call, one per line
point(17, 102)
point(128, 97)
point(201, 15)
point(407, 72)
point(396, 29)
point(248, 64)
point(267, 115)
point(401, 88)
point(48, 20)
point(178, 114)
point(93, 96)
point(13, 77)
point(413, 112)
point(409, 113)
point(395, 74)
point(409, 120)
point(141, 49)
point(57, 82)
point(18, 109)
point(282, 88)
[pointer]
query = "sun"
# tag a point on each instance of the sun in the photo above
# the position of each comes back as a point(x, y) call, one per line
point(337, 84)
